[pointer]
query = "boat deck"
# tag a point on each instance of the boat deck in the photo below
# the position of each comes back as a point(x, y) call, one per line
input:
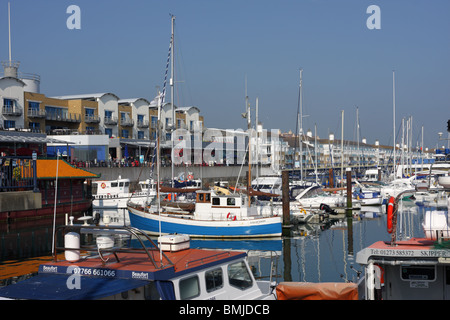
point(139, 266)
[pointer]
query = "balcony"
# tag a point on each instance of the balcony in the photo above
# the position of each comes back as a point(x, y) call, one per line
point(142, 123)
point(36, 113)
point(69, 117)
point(110, 120)
point(126, 122)
point(12, 111)
point(91, 118)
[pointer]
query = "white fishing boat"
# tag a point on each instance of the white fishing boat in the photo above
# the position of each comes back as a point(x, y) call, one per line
point(110, 197)
point(215, 216)
point(167, 270)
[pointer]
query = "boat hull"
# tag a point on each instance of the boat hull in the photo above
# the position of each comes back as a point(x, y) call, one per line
point(252, 228)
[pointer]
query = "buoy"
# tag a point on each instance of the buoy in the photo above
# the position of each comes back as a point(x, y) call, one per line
point(390, 214)
point(72, 241)
point(105, 242)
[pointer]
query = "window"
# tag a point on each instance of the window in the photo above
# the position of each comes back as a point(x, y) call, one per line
point(90, 130)
point(216, 201)
point(8, 103)
point(33, 105)
point(108, 114)
point(141, 135)
point(231, 201)
point(418, 273)
point(140, 118)
point(89, 111)
point(9, 124)
point(56, 112)
point(108, 132)
point(214, 280)
point(189, 288)
point(34, 126)
point(124, 133)
point(154, 121)
point(238, 275)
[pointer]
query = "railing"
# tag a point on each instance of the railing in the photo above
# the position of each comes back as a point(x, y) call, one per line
point(153, 251)
point(142, 123)
point(91, 118)
point(36, 113)
point(12, 111)
point(126, 122)
point(110, 120)
point(18, 173)
point(70, 117)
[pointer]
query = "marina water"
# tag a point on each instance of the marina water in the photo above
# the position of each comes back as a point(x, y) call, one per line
point(311, 252)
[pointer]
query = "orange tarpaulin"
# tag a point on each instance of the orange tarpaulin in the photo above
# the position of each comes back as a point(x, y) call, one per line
point(317, 291)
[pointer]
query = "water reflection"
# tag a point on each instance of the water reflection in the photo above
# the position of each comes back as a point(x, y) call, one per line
point(311, 252)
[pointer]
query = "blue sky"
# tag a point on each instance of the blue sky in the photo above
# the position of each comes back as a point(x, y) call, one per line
point(122, 48)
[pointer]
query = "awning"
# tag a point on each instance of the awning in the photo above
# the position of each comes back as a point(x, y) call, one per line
point(54, 287)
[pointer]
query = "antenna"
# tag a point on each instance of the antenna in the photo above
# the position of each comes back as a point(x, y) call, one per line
point(10, 67)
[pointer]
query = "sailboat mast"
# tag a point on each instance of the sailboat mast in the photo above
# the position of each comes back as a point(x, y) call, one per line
point(172, 84)
point(342, 150)
point(301, 124)
point(357, 139)
point(393, 107)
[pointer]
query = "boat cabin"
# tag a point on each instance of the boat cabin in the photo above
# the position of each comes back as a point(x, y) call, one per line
point(101, 188)
point(146, 271)
point(409, 270)
point(214, 206)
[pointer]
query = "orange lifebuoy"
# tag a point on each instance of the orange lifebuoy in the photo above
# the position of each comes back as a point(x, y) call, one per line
point(390, 214)
point(190, 177)
point(103, 185)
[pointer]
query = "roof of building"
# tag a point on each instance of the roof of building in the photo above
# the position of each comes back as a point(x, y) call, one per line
point(46, 168)
point(85, 96)
point(186, 109)
point(27, 137)
point(133, 100)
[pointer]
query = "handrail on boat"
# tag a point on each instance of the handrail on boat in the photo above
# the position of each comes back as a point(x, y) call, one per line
point(201, 260)
point(131, 230)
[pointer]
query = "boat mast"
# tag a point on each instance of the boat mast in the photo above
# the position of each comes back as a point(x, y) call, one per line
point(301, 124)
point(393, 104)
point(342, 149)
point(172, 84)
point(249, 127)
point(357, 139)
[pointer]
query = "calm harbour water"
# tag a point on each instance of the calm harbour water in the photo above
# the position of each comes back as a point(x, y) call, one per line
point(312, 252)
